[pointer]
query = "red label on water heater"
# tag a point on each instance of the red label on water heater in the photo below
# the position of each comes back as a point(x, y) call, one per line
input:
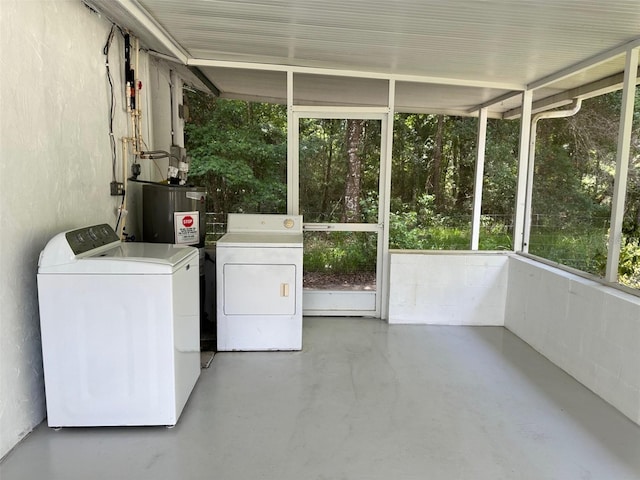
point(186, 228)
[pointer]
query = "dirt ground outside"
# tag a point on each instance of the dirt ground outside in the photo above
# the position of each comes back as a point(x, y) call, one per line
point(360, 281)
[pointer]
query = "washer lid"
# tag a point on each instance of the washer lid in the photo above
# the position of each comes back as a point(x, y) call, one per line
point(138, 258)
point(130, 258)
point(162, 253)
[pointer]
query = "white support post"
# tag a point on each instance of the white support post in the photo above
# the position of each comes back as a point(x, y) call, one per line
point(622, 165)
point(384, 208)
point(523, 162)
point(479, 175)
point(292, 151)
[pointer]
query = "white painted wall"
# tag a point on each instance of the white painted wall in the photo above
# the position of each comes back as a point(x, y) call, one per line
point(160, 91)
point(56, 167)
point(447, 288)
point(589, 330)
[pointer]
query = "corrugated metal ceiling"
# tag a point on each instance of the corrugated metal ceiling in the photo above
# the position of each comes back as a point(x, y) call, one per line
point(461, 53)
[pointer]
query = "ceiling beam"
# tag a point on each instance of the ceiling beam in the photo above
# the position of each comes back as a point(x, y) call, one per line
point(494, 101)
point(589, 90)
point(446, 111)
point(584, 65)
point(204, 79)
point(200, 62)
point(140, 14)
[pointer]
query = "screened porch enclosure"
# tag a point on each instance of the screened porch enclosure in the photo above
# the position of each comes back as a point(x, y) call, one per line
point(528, 63)
point(442, 381)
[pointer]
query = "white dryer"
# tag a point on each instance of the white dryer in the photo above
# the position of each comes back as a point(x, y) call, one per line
point(259, 283)
point(120, 329)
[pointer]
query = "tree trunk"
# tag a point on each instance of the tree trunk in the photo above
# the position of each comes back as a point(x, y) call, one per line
point(355, 130)
point(435, 180)
point(327, 178)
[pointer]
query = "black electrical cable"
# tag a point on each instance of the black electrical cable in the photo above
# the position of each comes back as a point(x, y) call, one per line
point(137, 180)
point(112, 139)
point(120, 212)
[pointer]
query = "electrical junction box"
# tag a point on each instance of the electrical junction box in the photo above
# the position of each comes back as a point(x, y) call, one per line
point(117, 188)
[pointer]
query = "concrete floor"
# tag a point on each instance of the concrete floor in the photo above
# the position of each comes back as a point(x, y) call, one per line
point(363, 400)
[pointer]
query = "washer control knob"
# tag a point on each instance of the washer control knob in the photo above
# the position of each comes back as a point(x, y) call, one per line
point(288, 223)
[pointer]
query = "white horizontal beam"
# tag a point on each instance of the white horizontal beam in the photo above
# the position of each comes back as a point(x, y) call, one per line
point(495, 101)
point(447, 111)
point(200, 62)
point(590, 90)
point(342, 227)
point(139, 13)
point(584, 65)
point(364, 113)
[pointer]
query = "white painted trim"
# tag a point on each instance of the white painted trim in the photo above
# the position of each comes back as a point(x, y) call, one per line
point(333, 302)
point(361, 113)
point(368, 113)
point(479, 175)
point(622, 165)
point(139, 13)
point(584, 65)
point(342, 227)
point(583, 92)
point(292, 157)
point(450, 252)
point(201, 62)
point(523, 160)
point(581, 273)
point(384, 207)
point(494, 101)
point(452, 112)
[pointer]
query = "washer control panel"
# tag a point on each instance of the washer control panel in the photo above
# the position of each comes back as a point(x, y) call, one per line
point(88, 238)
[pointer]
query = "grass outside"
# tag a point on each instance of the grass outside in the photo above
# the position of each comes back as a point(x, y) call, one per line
point(584, 249)
point(355, 252)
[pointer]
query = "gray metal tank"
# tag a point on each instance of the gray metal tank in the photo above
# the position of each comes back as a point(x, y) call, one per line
point(161, 202)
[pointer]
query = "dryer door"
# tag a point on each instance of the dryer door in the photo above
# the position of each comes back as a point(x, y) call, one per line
point(259, 289)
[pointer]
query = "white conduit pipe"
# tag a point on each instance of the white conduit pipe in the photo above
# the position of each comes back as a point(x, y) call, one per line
point(575, 108)
point(138, 112)
point(123, 205)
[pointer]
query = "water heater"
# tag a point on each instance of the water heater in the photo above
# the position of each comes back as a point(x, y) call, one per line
point(173, 214)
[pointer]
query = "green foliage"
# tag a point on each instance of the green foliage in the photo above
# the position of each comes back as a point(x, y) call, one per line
point(629, 265)
point(238, 152)
point(324, 166)
point(340, 252)
point(427, 230)
point(583, 249)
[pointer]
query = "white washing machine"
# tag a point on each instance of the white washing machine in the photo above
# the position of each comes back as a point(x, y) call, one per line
point(259, 283)
point(120, 329)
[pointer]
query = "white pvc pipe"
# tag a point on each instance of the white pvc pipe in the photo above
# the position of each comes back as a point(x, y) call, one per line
point(575, 108)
